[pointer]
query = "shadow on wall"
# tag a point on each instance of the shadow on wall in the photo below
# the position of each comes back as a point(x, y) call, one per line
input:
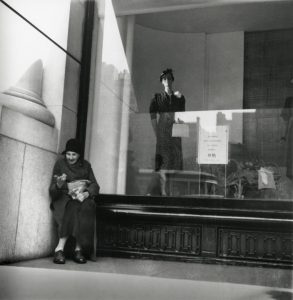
point(280, 295)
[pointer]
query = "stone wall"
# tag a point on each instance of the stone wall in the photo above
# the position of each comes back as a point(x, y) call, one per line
point(28, 152)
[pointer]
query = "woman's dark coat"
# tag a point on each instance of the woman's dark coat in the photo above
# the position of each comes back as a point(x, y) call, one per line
point(59, 196)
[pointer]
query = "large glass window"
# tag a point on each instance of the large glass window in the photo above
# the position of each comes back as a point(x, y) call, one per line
point(191, 106)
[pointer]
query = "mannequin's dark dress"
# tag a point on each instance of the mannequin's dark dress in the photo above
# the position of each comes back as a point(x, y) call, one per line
point(168, 147)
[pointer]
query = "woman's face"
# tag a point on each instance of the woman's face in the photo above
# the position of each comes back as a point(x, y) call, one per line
point(72, 157)
point(167, 81)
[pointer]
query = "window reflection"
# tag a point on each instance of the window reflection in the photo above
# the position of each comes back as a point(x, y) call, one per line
point(116, 101)
point(226, 167)
point(208, 133)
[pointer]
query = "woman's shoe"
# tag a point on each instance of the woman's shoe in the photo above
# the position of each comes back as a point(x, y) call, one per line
point(78, 257)
point(59, 257)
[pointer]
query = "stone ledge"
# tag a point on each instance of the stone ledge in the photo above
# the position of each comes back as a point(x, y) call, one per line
point(25, 129)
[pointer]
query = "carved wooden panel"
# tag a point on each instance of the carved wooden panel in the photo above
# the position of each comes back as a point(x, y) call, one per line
point(138, 236)
point(256, 245)
point(170, 239)
point(163, 238)
point(287, 247)
point(269, 246)
point(154, 238)
point(123, 239)
point(234, 243)
point(190, 240)
point(250, 245)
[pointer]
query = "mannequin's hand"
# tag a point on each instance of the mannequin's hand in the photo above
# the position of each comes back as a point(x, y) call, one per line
point(178, 94)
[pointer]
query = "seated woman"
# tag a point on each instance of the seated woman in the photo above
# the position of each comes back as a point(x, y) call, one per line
point(72, 190)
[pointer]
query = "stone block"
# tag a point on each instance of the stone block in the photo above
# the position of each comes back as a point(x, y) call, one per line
point(56, 110)
point(27, 130)
point(11, 162)
point(35, 224)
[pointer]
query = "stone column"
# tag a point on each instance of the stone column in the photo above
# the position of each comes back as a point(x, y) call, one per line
point(28, 145)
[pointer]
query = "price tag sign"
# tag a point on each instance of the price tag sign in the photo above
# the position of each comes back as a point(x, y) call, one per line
point(213, 145)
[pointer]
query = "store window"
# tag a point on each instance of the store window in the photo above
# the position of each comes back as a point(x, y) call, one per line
point(184, 111)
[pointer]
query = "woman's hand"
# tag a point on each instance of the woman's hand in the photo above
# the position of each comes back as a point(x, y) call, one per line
point(60, 180)
point(82, 196)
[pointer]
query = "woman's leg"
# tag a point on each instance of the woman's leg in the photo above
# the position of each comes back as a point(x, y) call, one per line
point(66, 225)
point(59, 257)
point(86, 230)
point(69, 226)
point(79, 221)
point(77, 246)
point(61, 243)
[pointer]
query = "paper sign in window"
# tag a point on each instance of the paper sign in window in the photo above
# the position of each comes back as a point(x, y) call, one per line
point(213, 145)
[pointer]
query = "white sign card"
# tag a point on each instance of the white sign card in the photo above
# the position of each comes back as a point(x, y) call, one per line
point(213, 145)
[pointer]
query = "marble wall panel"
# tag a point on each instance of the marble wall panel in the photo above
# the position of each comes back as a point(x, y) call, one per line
point(35, 218)
point(11, 163)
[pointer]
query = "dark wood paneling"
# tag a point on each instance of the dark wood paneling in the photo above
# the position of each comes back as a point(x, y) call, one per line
point(255, 245)
point(148, 237)
point(209, 230)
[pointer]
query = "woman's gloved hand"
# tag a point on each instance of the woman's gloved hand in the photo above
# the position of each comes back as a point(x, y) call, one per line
point(82, 196)
point(60, 180)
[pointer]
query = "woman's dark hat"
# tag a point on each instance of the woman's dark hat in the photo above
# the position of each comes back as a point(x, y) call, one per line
point(165, 72)
point(73, 145)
